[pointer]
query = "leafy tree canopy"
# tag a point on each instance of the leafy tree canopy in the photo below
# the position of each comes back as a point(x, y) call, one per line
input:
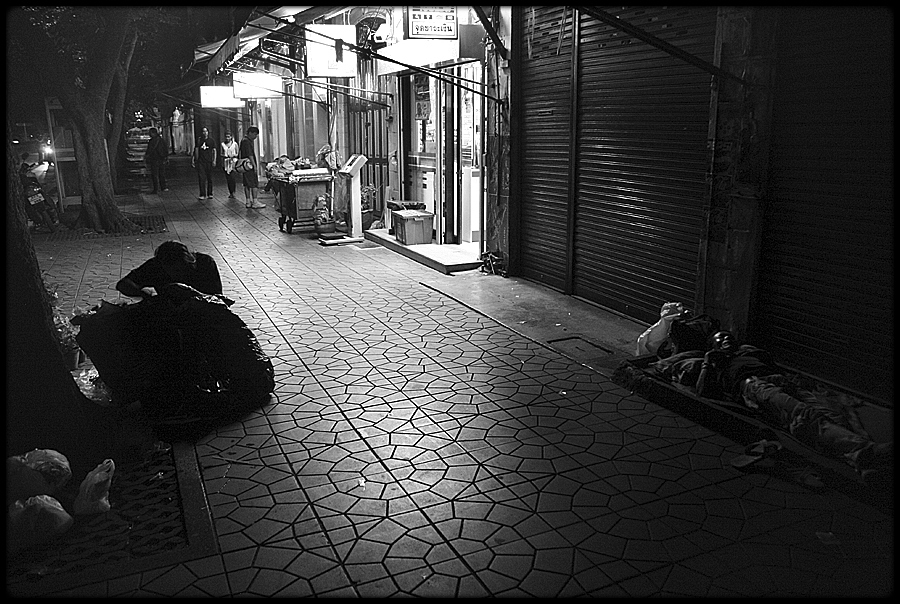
point(68, 36)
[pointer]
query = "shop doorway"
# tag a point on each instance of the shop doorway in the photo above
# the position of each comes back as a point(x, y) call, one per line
point(441, 144)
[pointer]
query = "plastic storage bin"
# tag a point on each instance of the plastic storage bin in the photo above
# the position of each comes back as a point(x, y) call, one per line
point(413, 227)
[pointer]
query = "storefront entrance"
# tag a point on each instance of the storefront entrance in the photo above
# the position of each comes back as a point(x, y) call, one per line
point(441, 149)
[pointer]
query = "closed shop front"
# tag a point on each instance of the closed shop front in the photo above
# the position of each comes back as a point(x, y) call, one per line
point(613, 155)
point(545, 48)
point(825, 286)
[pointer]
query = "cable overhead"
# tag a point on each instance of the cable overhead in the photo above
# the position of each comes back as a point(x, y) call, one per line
point(368, 53)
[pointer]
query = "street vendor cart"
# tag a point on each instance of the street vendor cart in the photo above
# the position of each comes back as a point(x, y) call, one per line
point(295, 195)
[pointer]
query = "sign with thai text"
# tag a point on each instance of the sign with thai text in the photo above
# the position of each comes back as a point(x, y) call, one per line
point(432, 23)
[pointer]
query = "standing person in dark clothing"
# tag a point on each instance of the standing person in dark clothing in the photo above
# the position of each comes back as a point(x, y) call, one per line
point(204, 160)
point(156, 157)
point(172, 262)
point(250, 177)
point(748, 375)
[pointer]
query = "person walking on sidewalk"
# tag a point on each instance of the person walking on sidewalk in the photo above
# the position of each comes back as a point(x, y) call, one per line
point(156, 157)
point(204, 160)
point(250, 177)
point(230, 150)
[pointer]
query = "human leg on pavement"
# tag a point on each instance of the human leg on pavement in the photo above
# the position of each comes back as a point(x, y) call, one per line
point(232, 185)
point(813, 422)
point(154, 176)
point(206, 185)
point(251, 190)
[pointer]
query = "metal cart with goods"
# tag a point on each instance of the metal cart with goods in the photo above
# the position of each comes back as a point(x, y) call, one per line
point(295, 196)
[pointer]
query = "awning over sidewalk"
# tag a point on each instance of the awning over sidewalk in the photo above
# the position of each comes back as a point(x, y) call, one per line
point(221, 53)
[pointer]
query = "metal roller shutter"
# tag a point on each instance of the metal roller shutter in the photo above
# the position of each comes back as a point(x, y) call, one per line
point(825, 294)
point(546, 55)
point(642, 160)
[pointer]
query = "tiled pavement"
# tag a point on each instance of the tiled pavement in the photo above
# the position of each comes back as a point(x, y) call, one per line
point(415, 447)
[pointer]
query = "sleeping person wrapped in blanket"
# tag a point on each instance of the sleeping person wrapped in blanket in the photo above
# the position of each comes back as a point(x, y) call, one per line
point(747, 375)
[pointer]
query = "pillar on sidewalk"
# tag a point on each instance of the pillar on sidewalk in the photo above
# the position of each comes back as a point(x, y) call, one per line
point(740, 128)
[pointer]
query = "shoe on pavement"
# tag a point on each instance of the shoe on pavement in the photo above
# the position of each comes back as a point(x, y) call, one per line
point(166, 189)
point(257, 206)
point(232, 197)
point(760, 454)
point(202, 197)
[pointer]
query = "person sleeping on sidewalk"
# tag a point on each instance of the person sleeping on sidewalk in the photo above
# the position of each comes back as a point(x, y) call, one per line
point(172, 262)
point(747, 375)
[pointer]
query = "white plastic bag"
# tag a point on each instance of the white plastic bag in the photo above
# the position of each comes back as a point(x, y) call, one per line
point(34, 521)
point(650, 341)
point(38, 472)
point(93, 494)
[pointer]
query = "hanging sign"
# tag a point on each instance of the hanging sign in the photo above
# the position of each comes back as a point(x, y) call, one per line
point(257, 85)
point(432, 23)
point(219, 96)
point(323, 59)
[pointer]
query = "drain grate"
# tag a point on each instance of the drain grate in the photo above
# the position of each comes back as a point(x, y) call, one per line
point(146, 519)
point(150, 224)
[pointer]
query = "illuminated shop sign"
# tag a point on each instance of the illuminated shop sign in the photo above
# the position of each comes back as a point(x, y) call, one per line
point(257, 85)
point(219, 96)
point(432, 23)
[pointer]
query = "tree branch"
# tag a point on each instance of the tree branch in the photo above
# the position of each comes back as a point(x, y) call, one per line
point(103, 63)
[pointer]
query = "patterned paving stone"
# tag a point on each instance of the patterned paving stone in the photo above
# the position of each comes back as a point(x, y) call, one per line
point(414, 447)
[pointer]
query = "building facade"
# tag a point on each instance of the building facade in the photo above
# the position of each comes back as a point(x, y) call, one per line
point(738, 160)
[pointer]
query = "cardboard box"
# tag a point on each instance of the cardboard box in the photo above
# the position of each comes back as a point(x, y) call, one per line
point(413, 227)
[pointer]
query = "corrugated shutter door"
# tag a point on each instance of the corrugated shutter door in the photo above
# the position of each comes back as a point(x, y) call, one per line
point(825, 296)
point(544, 173)
point(642, 160)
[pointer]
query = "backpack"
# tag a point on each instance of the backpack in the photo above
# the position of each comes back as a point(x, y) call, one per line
point(688, 333)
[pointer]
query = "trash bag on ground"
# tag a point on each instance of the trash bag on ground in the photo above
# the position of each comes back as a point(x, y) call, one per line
point(109, 335)
point(35, 521)
point(179, 348)
point(655, 335)
point(689, 332)
point(93, 493)
point(38, 472)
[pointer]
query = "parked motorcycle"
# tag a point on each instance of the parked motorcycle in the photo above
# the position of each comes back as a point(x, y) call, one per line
point(40, 208)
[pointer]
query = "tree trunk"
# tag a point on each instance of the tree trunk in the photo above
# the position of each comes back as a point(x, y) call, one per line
point(114, 140)
point(45, 409)
point(118, 96)
point(98, 203)
point(85, 99)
